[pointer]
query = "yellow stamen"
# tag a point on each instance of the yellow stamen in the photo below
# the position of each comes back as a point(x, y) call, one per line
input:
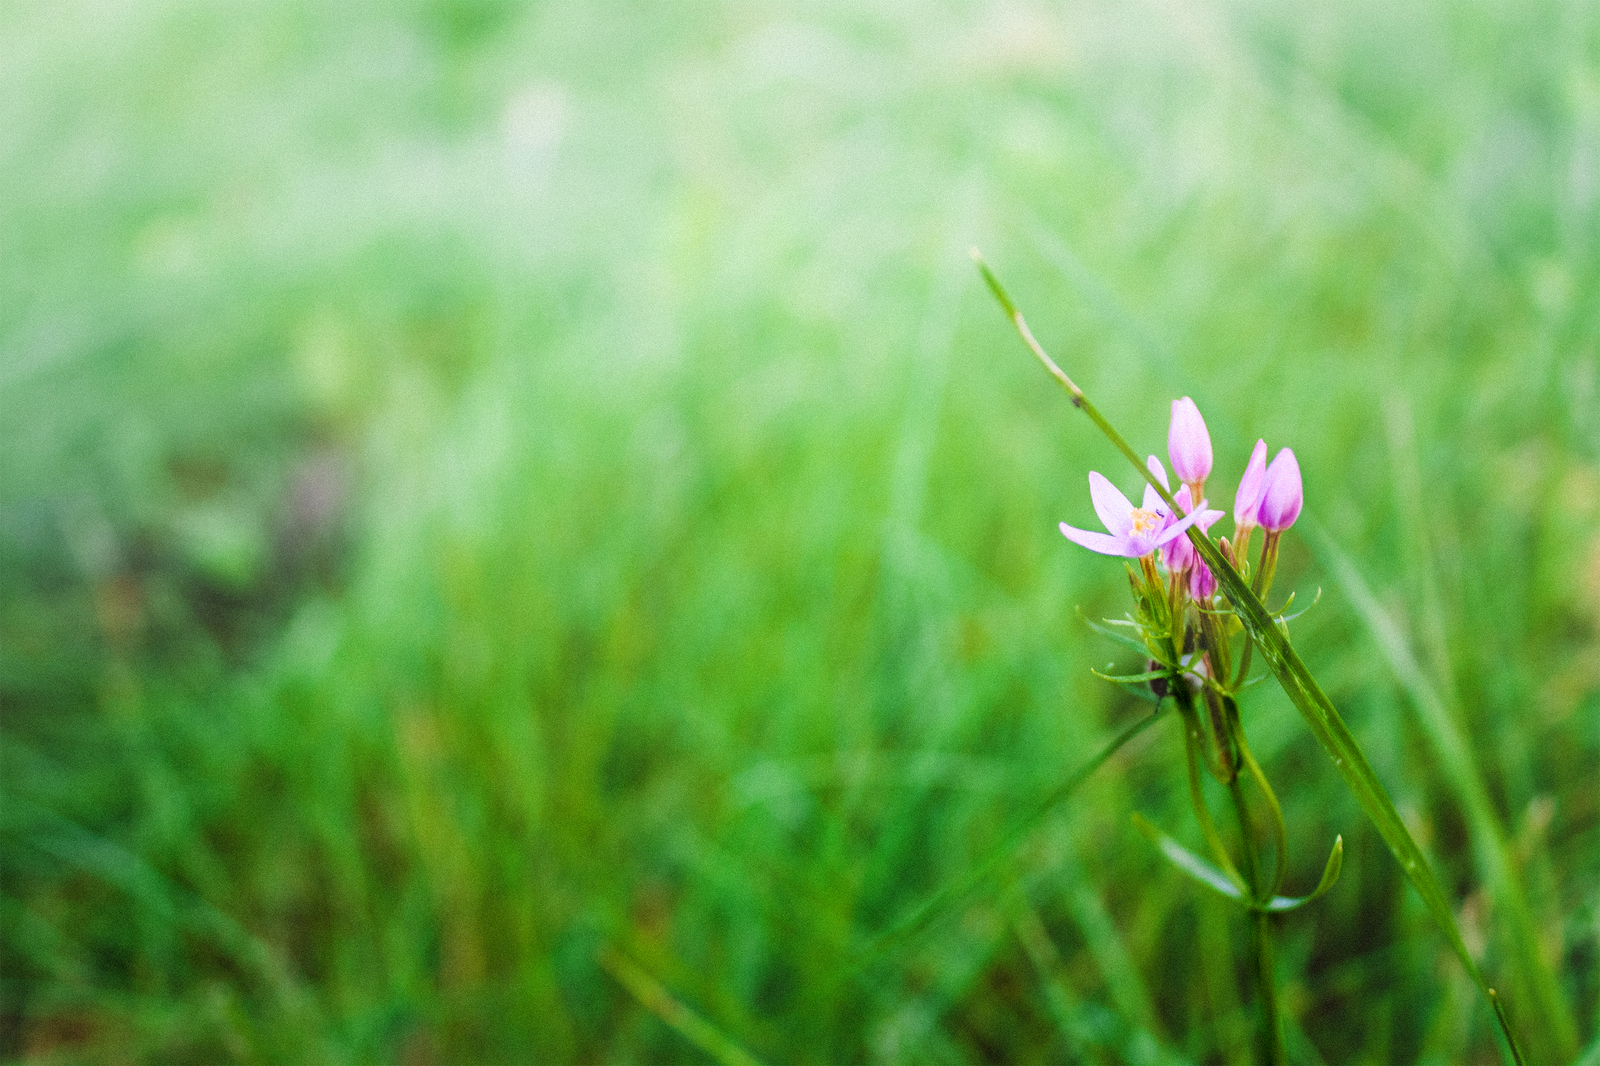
point(1145, 521)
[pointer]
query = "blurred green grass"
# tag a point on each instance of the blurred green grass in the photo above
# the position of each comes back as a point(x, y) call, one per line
point(485, 483)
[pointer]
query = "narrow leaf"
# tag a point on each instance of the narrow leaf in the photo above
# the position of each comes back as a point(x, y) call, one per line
point(1129, 679)
point(1188, 861)
point(1330, 874)
point(1491, 847)
point(1214, 879)
point(1120, 638)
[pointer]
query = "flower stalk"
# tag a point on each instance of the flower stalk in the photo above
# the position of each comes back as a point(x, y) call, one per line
point(1274, 507)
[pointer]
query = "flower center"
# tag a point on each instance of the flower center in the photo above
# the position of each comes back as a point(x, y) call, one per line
point(1146, 521)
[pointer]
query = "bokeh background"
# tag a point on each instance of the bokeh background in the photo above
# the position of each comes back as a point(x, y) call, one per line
point(488, 488)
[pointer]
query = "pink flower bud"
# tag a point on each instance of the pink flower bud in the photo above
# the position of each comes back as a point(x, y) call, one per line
point(1202, 582)
point(1247, 501)
point(1178, 555)
point(1188, 443)
point(1281, 493)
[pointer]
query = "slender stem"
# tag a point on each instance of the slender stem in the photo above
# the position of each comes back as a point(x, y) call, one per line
point(1269, 565)
point(1272, 1050)
point(1192, 739)
point(1244, 663)
point(1280, 834)
point(1271, 1032)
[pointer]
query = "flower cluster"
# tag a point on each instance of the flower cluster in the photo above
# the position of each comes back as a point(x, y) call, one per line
point(1269, 497)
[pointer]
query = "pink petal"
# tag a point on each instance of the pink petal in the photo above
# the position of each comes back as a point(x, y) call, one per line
point(1176, 529)
point(1111, 505)
point(1247, 501)
point(1153, 501)
point(1160, 472)
point(1188, 443)
point(1097, 542)
point(1281, 493)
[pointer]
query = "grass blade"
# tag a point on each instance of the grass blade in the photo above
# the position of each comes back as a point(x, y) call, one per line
point(956, 891)
point(660, 1002)
point(1491, 848)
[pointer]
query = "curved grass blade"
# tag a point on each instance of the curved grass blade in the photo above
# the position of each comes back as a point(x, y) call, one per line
point(1320, 715)
point(1214, 879)
point(660, 1002)
point(946, 898)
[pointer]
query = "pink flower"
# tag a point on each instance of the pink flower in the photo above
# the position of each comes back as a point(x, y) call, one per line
point(1247, 501)
point(1133, 531)
point(1188, 443)
point(1281, 493)
point(1202, 582)
point(1178, 554)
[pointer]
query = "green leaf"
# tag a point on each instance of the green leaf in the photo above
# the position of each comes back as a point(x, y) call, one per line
point(1129, 679)
point(1219, 882)
point(664, 1005)
point(1187, 861)
point(1120, 638)
point(1291, 617)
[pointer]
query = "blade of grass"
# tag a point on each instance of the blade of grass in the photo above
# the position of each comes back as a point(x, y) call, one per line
point(957, 890)
point(1490, 845)
point(660, 1002)
point(1320, 715)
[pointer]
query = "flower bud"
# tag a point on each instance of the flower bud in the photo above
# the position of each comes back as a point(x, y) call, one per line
point(1281, 493)
point(1202, 582)
point(1247, 501)
point(1188, 443)
point(1178, 554)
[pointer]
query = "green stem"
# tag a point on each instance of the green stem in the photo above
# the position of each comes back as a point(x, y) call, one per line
point(1272, 1050)
point(1280, 834)
point(1192, 739)
point(1269, 566)
point(1271, 1032)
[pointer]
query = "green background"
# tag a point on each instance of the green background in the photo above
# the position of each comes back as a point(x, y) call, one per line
point(486, 487)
